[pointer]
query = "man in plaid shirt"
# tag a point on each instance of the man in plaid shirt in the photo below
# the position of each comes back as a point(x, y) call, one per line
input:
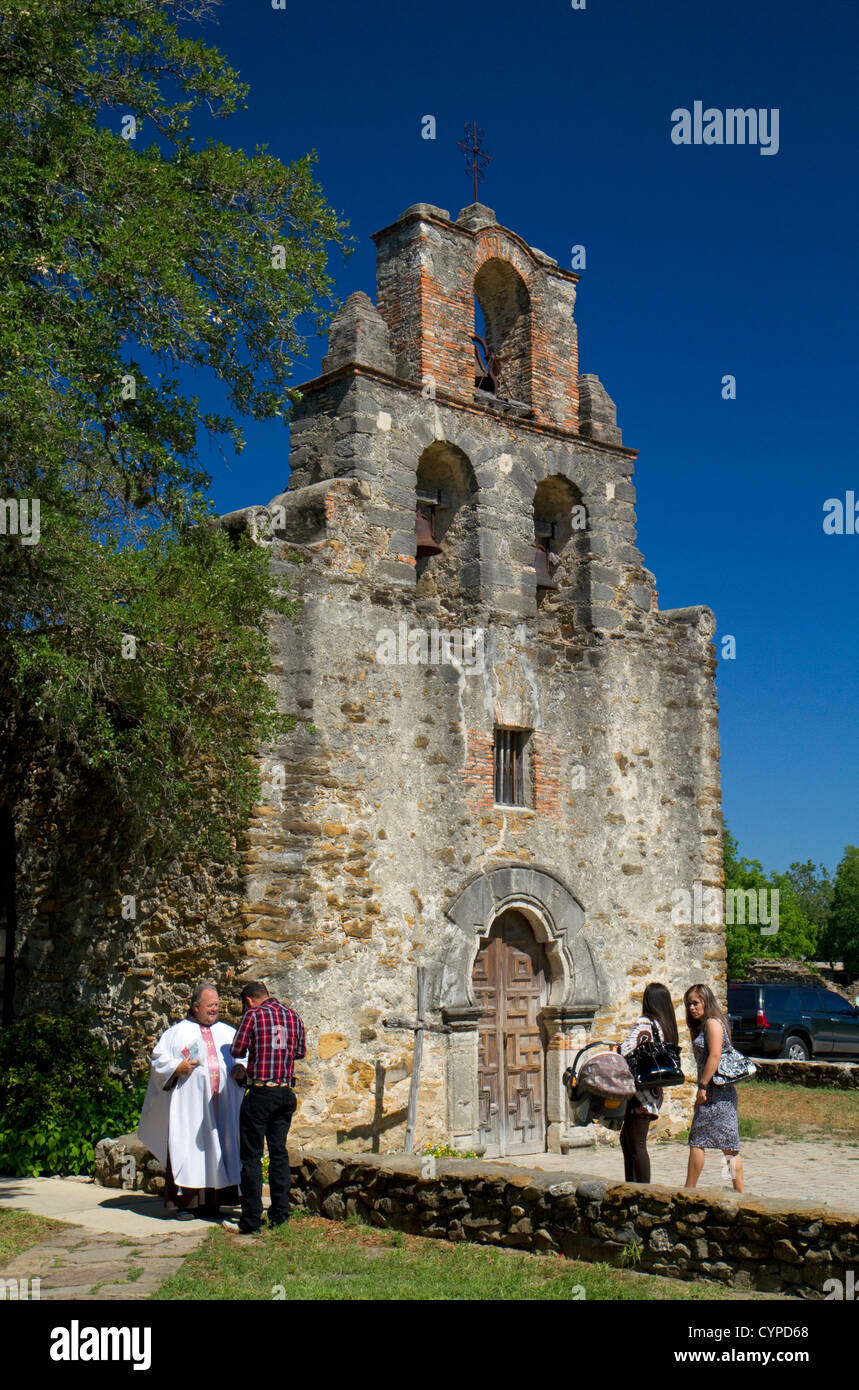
point(273, 1038)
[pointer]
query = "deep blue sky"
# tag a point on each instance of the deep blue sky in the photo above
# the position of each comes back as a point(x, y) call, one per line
point(701, 261)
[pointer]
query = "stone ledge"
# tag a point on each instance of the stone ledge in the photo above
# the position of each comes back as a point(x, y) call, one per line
point(126, 1163)
point(761, 1244)
point(749, 1243)
point(841, 1075)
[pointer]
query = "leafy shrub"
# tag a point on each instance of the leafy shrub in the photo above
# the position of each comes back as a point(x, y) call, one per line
point(57, 1097)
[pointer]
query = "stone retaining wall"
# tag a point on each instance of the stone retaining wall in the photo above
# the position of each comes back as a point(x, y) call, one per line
point(843, 1075)
point(126, 1163)
point(748, 1244)
point(760, 1244)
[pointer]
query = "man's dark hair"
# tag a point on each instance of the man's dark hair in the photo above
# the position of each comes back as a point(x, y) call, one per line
point(254, 989)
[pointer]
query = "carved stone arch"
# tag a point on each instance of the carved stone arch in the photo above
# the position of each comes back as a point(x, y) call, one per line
point(554, 913)
point(556, 918)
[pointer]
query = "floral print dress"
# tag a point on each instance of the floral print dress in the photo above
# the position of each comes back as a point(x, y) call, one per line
point(715, 1125)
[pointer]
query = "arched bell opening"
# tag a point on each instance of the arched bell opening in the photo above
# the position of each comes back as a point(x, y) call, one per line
point(445, 523)
point(560, 537)
point(504, 358)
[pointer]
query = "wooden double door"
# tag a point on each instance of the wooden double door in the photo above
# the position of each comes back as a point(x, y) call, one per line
point(511, 981)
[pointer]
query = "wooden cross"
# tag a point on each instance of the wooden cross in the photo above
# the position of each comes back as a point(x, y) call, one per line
point(418, 1026)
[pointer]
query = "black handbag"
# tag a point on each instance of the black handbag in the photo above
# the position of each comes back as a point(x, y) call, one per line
point(655, 1064)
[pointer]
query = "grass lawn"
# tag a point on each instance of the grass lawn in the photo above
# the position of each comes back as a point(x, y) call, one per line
point(313, 1258)
point(769, 1109)
point(19, 1231)
point(773, 1110)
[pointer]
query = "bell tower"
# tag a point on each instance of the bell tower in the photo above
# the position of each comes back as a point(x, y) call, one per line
point(512, 758)
point(430, 271)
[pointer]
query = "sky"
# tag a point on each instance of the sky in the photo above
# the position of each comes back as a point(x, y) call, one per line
point(702, 261)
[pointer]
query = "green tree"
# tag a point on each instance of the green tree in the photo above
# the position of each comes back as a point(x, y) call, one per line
point(841, 939)
point(813, 886)
point(795, 937)
point(130, 257)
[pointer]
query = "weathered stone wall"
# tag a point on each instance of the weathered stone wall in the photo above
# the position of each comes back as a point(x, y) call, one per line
point(760, 1244)
point(97, 932)
point(772, 1246)
point(379, 833)
point(125, 1162)
point(842, 1076)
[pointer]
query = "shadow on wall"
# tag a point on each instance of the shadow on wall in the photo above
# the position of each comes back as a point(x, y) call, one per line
point(380, 1122)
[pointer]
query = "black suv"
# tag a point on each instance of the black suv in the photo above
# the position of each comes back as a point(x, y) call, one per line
point(795, 1021)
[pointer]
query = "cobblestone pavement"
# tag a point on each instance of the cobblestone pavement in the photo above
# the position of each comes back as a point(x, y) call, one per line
point(808, 1172)
point(82, 1265)
point(122, 1245)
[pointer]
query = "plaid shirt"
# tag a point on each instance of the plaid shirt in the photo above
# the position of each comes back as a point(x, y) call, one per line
point(273, 1037)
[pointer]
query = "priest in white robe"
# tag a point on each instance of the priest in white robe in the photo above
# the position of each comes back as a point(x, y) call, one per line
point(190, 1117)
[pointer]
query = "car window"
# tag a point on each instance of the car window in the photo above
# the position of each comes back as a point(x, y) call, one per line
point(780, 1001)
point(836, 1005)
point(743, 997)
point(811, 1001)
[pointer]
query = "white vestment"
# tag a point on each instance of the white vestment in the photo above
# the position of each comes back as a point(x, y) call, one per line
point(200, 1130)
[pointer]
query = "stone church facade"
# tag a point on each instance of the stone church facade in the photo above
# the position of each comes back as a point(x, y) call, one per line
point(512, 757)
point(507, 758)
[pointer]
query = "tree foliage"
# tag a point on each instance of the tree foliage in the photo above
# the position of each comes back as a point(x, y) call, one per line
point(795, 937)
point(57, 1096)
point(126, 265)
point(841, 939)
point(813, 886)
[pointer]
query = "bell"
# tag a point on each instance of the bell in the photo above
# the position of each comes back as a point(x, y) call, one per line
point(427, 543)
point(541, 565)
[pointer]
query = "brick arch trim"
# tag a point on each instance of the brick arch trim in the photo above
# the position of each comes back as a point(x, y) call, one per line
point(494, 244)
point(556, 916)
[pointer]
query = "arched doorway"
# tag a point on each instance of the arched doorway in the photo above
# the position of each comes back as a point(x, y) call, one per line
point(511, 986)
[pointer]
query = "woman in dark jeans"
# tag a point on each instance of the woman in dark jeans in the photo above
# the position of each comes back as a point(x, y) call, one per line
point(657, 1022)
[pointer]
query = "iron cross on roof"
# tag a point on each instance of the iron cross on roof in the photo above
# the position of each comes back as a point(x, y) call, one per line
point(475, 155)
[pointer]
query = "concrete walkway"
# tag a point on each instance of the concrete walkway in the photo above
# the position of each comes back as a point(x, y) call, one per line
point(122, 1245)
point(809, 1172)
point(107, 1210)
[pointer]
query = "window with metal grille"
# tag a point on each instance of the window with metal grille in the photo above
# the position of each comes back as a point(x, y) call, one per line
point(510, 779)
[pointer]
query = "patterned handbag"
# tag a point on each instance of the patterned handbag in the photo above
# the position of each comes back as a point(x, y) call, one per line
point(733, 1067)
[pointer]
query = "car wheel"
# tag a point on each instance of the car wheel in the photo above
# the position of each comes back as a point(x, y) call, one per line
point(795, 1049)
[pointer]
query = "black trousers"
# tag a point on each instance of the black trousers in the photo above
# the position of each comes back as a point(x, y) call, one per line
point(266, 1115)
point(633, 1142)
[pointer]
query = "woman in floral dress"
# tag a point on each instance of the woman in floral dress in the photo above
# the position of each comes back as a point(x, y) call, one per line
point(715, 1123)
